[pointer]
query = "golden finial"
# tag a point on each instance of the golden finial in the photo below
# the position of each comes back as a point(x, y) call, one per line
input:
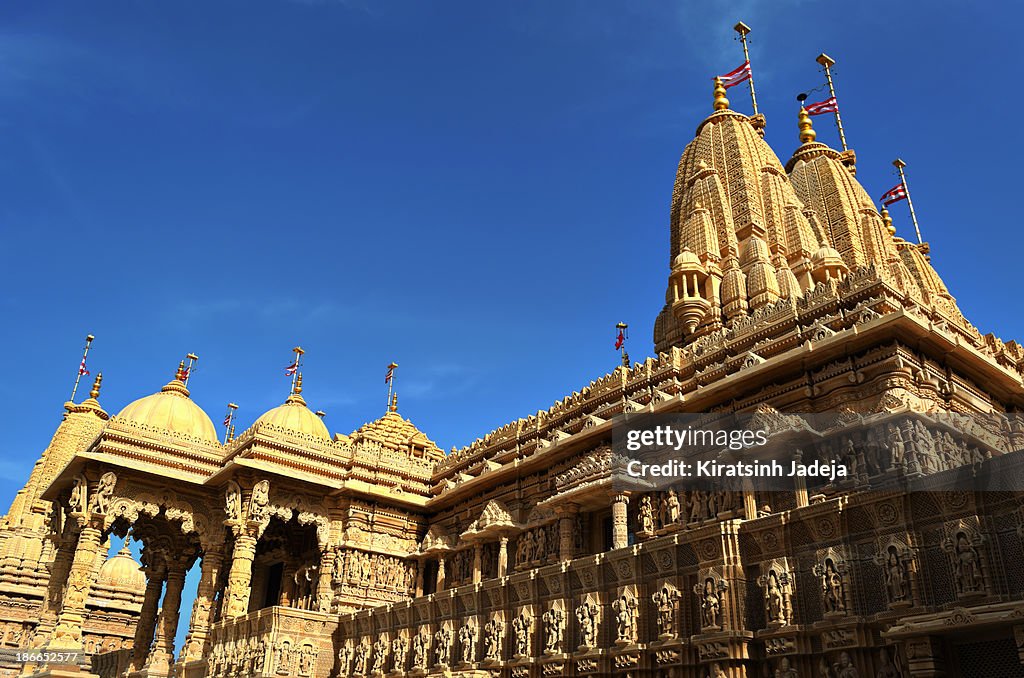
point(95, 392)
point(394, 403)
point(721, 103)
point(887, 220)
point(807, 133)
point(297, 389)
point(180, 374)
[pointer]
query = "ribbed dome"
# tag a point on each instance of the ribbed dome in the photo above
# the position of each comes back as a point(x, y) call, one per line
point(826, 256)
point(295, 416)
point(171, 410)
point(686, 259)
point(122, 572)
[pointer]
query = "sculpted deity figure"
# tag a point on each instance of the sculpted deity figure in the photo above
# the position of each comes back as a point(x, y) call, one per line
point(420, 644)
point(586, 615)
point(672, 507)
point(443, 645)
point(968, 566)
point(717, 671)
point(344, 660)
point(78, 489)
point(895, 577)
point(467, 641)
point(380, 654)
point(399, 649)
point(541, 544)
point(833, 587)
point(284, 658)
point(844, 668)
point(260, 500)
point(521, 628)
point(554, 628)
point(361, 656)
point(665, 603)
point(774, 598)
point(625, 618)
point(710, 605)
point(524, 548)
point(646, 514)
point(307, 660)
point(103, 493)
point(785, 669)
point(493, 631)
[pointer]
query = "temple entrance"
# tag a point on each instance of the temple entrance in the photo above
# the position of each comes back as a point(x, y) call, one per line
point(286, 569)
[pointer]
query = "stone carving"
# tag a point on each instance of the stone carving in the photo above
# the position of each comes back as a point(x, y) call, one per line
point(104, 490)
point(361, 657)
point(467, 642)
point(646, 514)
point(777, 597)
point(399, 649)
point(625, 608)
point(895, 570)
point(282, 658)
point(380, 654)
point(554, 630)
point(784, 669)
point(710, 593)
point(307, 660)
point(887, 668)
point(844, 667)
point(344, 660)
point(666, 602)
point(259, 501)
point(420, 647)
point(521, 629)
point(443, 646)
point(967, 565)
point(493, 636)
point(587, 616)
point(832, 574)
point(79, 491)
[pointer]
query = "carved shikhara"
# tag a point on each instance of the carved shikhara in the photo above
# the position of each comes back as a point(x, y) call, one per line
point(376, 554)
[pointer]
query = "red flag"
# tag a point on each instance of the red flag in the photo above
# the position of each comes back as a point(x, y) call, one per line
point(81, 368)
point(390, 376)
point(184, 374)
point(620, 340)
point(895, 194)
point(227, 419)
point(829, 105)
point(735, 77)
point(291, 369)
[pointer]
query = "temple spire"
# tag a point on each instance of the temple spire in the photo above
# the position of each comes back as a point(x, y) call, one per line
point(807, 133)
point(721, 103)
point(95, 392)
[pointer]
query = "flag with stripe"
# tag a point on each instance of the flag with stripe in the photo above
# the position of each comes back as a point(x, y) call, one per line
point(895, 194)
point(81, 368)
point(291, 369)
point(390, 376)
point(736, 76)
point(620, 340)
point(829, 105)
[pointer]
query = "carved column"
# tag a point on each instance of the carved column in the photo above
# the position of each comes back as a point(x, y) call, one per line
point(566, 527)
point(478, 561)
point(155, 575)
point(502, 556)
point(68, 631)
point(197, 643)
point(162, 655)
point(325, 585)
point(55, 589)
point(440, 574)
point(287, 585)
point(420, 566)
point(801, 484)
point(240, 575)
point(620, 521)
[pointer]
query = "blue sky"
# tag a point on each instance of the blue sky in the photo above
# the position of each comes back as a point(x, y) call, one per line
point(477, 190)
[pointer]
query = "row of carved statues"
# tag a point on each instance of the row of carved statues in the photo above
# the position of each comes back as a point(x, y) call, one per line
point(374, 570)
point(249, 657)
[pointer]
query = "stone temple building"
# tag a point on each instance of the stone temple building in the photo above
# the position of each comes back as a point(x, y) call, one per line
point(520, 556)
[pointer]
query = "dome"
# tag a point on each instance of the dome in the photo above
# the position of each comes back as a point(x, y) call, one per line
point(171, 410)
point(295, 416)
point(686, 260)
point(827, 256)
point(122, 572)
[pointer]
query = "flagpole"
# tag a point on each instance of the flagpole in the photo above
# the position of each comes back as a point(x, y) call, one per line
point(298, 364)
point(899, 164)
point(192, 358)
point(826, 61)
point(85, 354)
point(622, 327)
point(391, 384)
point(229, 422)
point(743, 30)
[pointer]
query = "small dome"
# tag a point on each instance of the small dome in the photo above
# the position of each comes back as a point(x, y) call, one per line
point(171, 410)
point(827, 256)
point(686, 259)
point(122, 572)
point(295, 416)
point(754, 250)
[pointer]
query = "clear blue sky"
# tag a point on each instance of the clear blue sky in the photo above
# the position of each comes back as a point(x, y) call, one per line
point(477, 190)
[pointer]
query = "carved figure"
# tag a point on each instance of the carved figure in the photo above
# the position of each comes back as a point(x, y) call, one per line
point(625, 618)
point(493, 631)
point(968, 566)
point(361, 656)
point(665, 604)
point(104, 490)
point(710, 605)
point(672, 507)
point(785, 669)
point(895, 577)
point(586, 615)
point(845, 668)
point(467, 641)
point(399, 649)
point(554, 629)
point(259, 500)
point(420, 644)
point(521, 628)
point(380, 654)
point(646, 514)
point(443, 645)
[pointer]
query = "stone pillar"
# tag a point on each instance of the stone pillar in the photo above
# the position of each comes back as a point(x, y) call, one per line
point(197, 642)
point(162, 655)
point(240, 576)
point(420, 566)
point(287, 585)
point(566, 527)
point(324, 582)
point(440, 574)
point(55, 589)
point(620, 521)
point(502, 556)
point(155, 575)
point(68, 631)
point(478, 561)
point(801, 484)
